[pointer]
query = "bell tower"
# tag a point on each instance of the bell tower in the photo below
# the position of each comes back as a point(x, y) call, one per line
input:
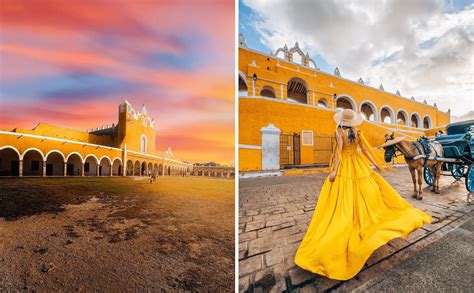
point(136, 129)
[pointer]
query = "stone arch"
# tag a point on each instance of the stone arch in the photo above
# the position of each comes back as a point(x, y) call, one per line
point(297, 90)
point(368, 110)
point(129, 167)
point(415, 120)
point(160, 169)
point(386, 115)
point(144, 169)
point(91, 164)
point(402, 117)
point(243, 85)
point(150, 168)
point(74, 164)
point(105, 166)
point(9, 161)
point(345, 102)
point(155, 169)
point(323, 102)
point(268, 91)
point(117, 167)
point(33, 161)
point(136, 168)
point(54, 161)
point(427, 122)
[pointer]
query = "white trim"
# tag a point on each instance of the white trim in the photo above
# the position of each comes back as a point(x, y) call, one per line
point(158, 157)
point(325, 102)
point(58, 139)
point(117, 158)
point(143, 148)
point(57, 151)
point(312, 137)
point(35, 149)
point(346, 96)
point(91, 155)
point(72, 153)
point(11, 147)
point(110, 161)
point(244, 78)
point(372, 105)
point(390, 111)
point(250, 147)
point(332, 75)
point(407, 118)
point(287, 102)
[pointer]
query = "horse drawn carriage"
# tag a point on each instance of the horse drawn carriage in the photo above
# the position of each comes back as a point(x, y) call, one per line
point(458, 153)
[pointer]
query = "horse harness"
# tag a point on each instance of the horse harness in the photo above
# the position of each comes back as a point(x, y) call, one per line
point(424, 145)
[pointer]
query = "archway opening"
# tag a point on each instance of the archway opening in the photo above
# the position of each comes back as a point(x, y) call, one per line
point(297, 90)
point(129, 168)
point(144, 169)
point(386, 115)
point(74, 165)
point(243, 88)
point(117, 167)
point(55, 164)
point(415, 120)
point(9, 162)
point(150, 169)
point(90, 166)
point(368, 112)
point(323, 103)
point(105, 167)
point(160, 169)
point(136, 169)
point(33, 163)
point(268, 91)
point(426, 122)
point(402, 118)
point(344, 103)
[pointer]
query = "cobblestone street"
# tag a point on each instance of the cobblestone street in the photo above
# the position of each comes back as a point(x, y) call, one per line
point(275, 213)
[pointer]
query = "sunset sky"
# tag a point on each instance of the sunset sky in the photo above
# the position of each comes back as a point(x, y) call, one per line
point(71, 63)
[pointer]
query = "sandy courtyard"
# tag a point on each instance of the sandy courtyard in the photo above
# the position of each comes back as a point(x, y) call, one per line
point(116, 234)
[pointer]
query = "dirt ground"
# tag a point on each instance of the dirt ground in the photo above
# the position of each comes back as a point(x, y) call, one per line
point(116, 234)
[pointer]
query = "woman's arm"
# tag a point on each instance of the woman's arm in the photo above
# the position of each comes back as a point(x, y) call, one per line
point(367, 153)
point(340, 143)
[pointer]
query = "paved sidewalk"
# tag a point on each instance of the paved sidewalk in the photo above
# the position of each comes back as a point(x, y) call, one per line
point(275, 213)
point(440, 267)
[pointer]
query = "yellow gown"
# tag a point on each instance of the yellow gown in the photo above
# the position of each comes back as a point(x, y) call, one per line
point(355, 215)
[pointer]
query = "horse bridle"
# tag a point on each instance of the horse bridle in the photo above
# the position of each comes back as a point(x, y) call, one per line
point(401, 151)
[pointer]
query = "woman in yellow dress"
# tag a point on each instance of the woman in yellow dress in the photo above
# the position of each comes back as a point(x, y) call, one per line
point(357, 210)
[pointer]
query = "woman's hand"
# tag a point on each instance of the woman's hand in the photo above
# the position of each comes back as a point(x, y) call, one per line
point(332, 176)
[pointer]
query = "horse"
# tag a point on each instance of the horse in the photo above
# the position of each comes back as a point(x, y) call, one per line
point(411, 149)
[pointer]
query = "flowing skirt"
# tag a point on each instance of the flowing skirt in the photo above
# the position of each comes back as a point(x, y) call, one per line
point(355, 215)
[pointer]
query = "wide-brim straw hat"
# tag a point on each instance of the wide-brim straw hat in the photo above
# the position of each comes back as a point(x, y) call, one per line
point(348, 117)
point(391, 142)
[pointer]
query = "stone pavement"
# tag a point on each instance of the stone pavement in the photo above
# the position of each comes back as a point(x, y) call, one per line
point(274, 213)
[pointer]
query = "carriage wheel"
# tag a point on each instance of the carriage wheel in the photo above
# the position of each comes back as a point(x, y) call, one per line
point(457, 171)
point(470, 179)
point(428, 176)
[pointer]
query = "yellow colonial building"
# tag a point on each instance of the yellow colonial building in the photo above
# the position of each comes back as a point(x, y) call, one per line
point(123, 149)
point(286, 110)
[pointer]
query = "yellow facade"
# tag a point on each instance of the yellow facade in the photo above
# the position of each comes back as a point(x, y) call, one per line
point(297, 98)
point(127, 148)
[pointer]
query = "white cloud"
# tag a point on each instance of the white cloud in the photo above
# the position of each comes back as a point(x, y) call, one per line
point(420, 47)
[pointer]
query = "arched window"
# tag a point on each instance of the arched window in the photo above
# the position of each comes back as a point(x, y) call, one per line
point(243, 87)
point(386, 115)
point(345, 102)
point(297, 90)
point(402, 117)
point(427, 122)
point(415, 120)
point(267, 91)
point(143, 144)
point(368, 111)
point(323, 103)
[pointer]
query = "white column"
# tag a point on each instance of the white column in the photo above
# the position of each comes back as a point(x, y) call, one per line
point(65, 169)
point(270, 147)
point(124, 160)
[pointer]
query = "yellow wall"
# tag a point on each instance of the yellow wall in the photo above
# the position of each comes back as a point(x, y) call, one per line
point(256, 112)
point(325, 85)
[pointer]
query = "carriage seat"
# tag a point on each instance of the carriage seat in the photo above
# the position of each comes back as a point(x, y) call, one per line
point(454, 146)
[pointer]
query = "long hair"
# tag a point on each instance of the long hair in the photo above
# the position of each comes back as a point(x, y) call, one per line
point(351, 134)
